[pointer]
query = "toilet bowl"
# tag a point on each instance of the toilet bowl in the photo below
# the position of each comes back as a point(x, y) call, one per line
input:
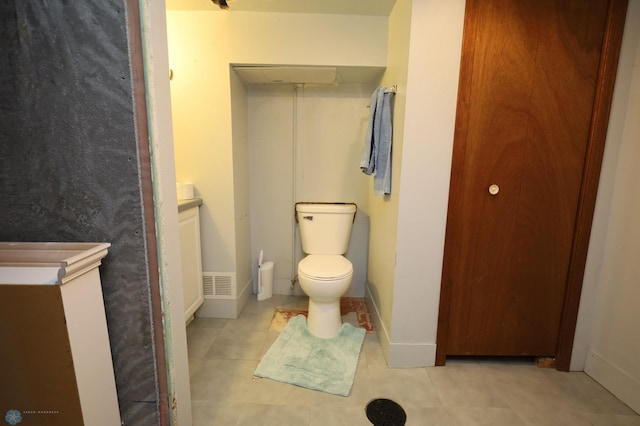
point(324, 278)
point(325, 274)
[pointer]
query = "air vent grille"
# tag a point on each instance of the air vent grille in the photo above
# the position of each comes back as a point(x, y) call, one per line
point(219, 285)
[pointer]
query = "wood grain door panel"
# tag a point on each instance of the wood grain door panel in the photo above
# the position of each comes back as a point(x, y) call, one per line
point(523, 124)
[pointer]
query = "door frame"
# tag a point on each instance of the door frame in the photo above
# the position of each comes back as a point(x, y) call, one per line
point(611, 45)
point(136, 54)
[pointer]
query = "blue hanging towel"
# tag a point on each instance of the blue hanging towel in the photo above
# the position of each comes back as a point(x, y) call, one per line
point(376, 155)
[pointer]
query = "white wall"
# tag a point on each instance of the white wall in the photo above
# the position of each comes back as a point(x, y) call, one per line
point(240, 132)
point(407, 301)
point(383, 211)
point(271, 109)
point(201, 47)
point(432, 90)
point(305, 145)
point(607, 340)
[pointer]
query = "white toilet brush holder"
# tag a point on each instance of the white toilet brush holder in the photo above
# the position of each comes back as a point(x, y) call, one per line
point(265, 278)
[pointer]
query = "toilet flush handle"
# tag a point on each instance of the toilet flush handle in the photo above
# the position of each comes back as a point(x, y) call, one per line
point(308, 217)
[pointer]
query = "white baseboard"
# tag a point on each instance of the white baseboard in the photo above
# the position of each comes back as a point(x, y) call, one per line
point(226, 308)
point(399, 355)
point(243, 296)
point(376, 318)
point(412, 355)
point(617, 381)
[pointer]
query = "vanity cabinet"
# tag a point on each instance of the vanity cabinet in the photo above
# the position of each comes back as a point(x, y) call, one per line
point(190, 252)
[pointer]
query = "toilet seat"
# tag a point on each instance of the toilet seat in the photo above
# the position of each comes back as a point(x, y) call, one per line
point(323, 267)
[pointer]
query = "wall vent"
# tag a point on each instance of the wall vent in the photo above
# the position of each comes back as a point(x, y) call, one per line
point(219, 285)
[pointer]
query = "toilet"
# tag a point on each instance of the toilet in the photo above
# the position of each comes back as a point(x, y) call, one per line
point(324, 273)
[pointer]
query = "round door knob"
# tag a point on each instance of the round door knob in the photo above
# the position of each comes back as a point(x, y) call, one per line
point(494, 189)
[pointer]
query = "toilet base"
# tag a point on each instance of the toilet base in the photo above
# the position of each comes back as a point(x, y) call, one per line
point(324, 319)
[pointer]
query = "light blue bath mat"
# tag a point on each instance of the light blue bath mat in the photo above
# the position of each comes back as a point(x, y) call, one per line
point(300, 358)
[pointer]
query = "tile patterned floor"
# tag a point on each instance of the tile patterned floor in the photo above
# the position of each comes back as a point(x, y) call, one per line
point(224, 353)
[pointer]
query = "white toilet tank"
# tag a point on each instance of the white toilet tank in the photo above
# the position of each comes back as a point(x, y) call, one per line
point(325, 228)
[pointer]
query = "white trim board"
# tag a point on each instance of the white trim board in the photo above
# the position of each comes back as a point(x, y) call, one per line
point(398, 354)
point(617, 381)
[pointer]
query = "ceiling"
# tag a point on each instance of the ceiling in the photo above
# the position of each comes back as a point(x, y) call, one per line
point(339, 7)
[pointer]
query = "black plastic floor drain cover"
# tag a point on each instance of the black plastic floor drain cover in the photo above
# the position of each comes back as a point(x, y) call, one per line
point(385, 412)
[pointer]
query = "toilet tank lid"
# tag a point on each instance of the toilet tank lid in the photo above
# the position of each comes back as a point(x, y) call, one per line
point(326, 207)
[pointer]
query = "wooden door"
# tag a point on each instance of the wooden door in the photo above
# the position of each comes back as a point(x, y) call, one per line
point(531, 79)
